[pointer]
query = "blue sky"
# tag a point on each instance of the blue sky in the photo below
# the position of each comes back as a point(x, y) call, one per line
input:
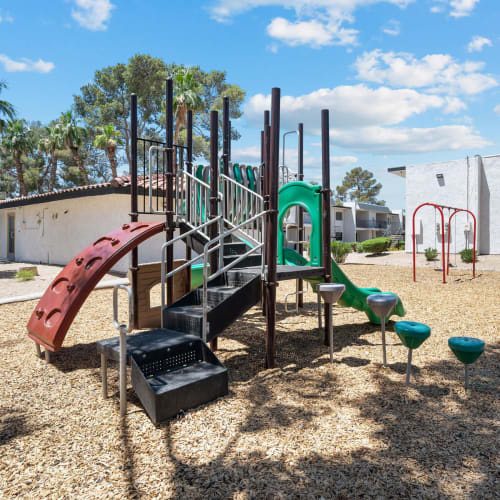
point(407, 81)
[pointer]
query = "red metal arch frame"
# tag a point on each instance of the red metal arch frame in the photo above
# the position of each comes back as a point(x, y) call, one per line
point(443, 250)
point(445, 257)
point(457, 210)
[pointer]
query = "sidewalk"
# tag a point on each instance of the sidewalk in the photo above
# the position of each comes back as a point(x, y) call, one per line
point(11, 288)
point(404, 259)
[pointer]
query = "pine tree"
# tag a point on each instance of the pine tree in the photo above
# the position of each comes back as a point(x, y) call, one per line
point(359, 185)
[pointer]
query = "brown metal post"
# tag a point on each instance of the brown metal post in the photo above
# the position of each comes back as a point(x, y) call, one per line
point(272, 229)
point(265, 185)
point(169, 126)
point(300, 222)
point(133, 201)
point(327, 254)
point(214, 184)
point(226, 135)
point(189, 168)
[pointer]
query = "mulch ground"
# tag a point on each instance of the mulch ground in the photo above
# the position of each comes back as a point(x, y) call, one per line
point(307, 429)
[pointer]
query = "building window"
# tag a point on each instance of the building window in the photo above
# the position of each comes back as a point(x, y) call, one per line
point(338, 215)
point(338, 236)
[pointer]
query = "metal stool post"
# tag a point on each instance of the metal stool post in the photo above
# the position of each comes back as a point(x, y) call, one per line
point(123, 329)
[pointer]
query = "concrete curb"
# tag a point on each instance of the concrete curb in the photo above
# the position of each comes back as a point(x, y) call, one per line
point(38, 295)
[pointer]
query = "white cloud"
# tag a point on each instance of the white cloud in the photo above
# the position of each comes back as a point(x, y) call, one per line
point(351, 106)
point(392, 28)
point(313, 33)
point(496, 109)
point(25, 65)
point(478, 43)
point(317, 22)
point(343, 161)
point(409, 140)
point(437, 72)
point(462, 8)
point(454, 105)
point(6, 18)
point(249, 154)
point(92, 14)
point(364, 119)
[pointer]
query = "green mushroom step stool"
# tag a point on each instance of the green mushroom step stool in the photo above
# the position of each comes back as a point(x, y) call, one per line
point(467, 350)
point(412, 335)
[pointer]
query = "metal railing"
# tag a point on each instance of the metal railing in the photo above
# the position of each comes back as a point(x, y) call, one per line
point(211, 246)
point(192, 200)
point(240, 204)
point(166, 276)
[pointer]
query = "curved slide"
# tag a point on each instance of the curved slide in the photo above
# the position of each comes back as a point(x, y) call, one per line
point(308, 197)
point(353, 296)
point(62, 300)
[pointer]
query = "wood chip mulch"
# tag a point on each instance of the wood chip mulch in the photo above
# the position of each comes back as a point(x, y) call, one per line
point(307, 429)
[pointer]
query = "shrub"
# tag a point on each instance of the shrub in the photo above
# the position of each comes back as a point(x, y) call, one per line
point(359, 248)
point(340, 251)
point(376, 245)
point(25, 275)
point(467, 255)
point(401, 245)
point(430, 253)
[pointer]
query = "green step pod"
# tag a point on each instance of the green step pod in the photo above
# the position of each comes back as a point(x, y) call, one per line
point(467, 350)
point(412, 335)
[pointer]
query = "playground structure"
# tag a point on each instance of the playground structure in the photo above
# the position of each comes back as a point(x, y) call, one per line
point(445, 230)
point(229, 217)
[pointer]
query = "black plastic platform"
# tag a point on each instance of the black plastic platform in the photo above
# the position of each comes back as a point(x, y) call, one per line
point(286, 272)
point(175, 373)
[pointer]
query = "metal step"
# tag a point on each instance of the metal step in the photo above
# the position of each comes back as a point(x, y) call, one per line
point(236, 248)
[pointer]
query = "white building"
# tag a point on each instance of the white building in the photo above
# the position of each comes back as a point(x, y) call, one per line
point(354, 221)
point(52, 228)
point(470, 183)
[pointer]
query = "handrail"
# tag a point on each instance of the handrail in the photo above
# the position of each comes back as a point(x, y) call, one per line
point(164, 247)
point(209, 248)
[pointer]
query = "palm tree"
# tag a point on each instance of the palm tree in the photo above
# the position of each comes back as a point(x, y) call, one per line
point(188, 92)
point(109, 140)
point(72, 137)
point(18, 141)
point(49, 145)
point(6, 109)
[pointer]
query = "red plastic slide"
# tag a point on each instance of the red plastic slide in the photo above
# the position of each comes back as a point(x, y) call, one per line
point(62, 300)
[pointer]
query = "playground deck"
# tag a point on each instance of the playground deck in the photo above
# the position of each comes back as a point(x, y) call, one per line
point(307, 428)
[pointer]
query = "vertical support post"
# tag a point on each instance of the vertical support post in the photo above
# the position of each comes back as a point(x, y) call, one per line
point(123, 372)
point(38, 350)
point(265, 189)
point(300, 222)
point(214, 183)
point(189, 168)
point(466, 376)
point(382, 327)
point(226, 135)
point(272, 228)
point(134, 264)
point(408, 367)
point(327, 255)
point(104, 375)
point(169, 126)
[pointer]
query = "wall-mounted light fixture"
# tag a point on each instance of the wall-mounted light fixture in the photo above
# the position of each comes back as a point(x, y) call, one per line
point(440, 177)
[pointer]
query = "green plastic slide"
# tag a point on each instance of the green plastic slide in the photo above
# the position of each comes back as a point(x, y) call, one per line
point(353, 296)
point(309, 198)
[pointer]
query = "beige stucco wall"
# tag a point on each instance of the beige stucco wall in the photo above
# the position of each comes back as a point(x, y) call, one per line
point(54, 232)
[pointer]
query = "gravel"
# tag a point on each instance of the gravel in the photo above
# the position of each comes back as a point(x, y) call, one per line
point(307, 429)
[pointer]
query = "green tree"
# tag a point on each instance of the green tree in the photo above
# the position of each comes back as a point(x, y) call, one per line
point(108, 140)
point(187, 96)
point(6, 109)
point(106, 100)
point(73, 137)
point(49, 144)
point(18, 142)
point(359, 185)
